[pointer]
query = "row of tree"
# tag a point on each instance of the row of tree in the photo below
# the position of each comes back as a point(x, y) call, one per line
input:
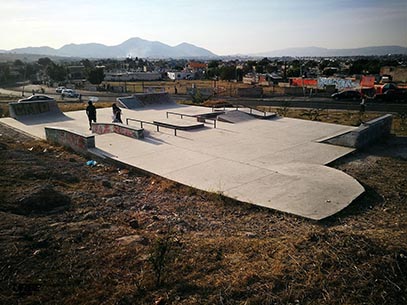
point(45, 70)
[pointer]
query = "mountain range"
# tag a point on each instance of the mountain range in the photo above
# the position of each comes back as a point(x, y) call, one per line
point(323, 52)
point(133, 47)
point(137, 47)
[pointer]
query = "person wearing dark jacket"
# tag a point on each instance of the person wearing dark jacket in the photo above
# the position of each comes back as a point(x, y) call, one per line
point(91, 113)
point(117, 114)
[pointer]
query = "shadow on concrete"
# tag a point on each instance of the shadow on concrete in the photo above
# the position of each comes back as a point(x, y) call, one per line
point(101, 153)
point(150, 139)
point(43, 119)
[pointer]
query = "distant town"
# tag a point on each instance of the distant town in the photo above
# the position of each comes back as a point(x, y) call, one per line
point(372, 75)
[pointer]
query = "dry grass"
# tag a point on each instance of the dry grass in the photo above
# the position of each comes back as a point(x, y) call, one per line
point(222, 251)
point(343, 117)
point(223, 87)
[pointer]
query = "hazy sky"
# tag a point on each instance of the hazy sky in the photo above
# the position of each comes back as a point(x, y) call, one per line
point(222, 26)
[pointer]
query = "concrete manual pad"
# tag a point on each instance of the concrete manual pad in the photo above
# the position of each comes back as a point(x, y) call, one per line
point(276, 163)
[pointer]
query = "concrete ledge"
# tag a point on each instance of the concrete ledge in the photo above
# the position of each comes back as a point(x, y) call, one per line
point(179, 124)
point(23, 109)
point(74, 140)
point(365, 134)
point(128, 131)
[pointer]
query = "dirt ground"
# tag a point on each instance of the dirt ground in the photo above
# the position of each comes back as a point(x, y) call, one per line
point(72, 233)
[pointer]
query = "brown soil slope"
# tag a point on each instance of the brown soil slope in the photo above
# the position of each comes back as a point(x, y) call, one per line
point(77, 234)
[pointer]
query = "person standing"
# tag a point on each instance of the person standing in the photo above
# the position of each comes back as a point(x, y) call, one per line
point(91, 113)
point(117, 114)
point(363, 105)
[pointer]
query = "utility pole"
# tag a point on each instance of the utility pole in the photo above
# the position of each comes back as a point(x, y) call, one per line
point(25, 72)
point(302, 80)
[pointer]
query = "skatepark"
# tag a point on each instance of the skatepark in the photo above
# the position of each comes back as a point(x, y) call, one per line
point(242, 153)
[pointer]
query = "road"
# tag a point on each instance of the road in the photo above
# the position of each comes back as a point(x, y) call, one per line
point(16, 92)
point(320, 103)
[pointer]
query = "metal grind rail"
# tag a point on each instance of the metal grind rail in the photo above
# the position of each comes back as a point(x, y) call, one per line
point(180, 114)
point(198, 117)
point(152, 123)
point(251, 109)
point(241, 106)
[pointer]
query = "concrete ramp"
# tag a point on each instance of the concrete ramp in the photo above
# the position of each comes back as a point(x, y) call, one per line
point(235, 116)
point(145, 100)
point(36, 112)
point(24, 110)
point(129, 102)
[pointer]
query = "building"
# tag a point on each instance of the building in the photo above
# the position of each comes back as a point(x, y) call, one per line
point(178, 75)
point(195, 66)
point(397, 74)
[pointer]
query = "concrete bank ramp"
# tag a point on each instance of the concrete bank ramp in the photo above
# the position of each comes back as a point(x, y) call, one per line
point(36, 112)
point(235, 116)
point(145, 100)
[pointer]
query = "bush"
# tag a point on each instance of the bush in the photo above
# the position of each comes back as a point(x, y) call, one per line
point(162, 253)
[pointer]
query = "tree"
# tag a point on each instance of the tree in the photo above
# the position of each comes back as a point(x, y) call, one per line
point(18, 63)
point(212, 73)
point(87, 63)
point(95, 76)
point(213, 64)
point(365, 65)
point(44, 61)
point(227, 72)
point(239, 75)
point(5, 75)
point(260, 69)
point(264, 62)
point(31, 70)
point(56, 72)
point(293, 71)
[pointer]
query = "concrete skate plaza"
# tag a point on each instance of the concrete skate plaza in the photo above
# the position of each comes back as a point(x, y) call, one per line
point(278, 163)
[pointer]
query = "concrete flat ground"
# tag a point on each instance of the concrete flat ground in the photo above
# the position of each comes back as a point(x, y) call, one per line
point(277, 163)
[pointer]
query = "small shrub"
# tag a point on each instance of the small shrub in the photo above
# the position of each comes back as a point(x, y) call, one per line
point(162, 253)
point(314, 114)
point(403, 120)
point(282, 111)
point(198, 98)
